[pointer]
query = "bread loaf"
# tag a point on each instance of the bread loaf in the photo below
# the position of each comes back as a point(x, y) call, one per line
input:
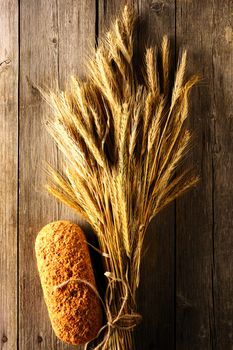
point(64, 262)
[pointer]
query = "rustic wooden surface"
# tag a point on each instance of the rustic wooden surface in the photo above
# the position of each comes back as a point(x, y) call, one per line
point(8, 166)
point(186, 293)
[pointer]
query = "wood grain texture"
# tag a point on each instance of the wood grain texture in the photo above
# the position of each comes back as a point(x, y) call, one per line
point(8, 166)
point(222, 170)
point(54, 40)
point(194, 214)
point(156, 292)
point(76, 40)
point(204, 225)
point(77, 37)
point(38, 66)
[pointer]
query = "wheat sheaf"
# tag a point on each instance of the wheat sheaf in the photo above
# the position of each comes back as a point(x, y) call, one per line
point(123, 139)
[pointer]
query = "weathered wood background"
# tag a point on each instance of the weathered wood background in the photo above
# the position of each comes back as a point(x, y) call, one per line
point(186, 294)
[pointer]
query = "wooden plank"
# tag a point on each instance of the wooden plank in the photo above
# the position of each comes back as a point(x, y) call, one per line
point(54, 38)
point(195, 326)
point(222, 170)
point(76, 40)
point(8, 165)
point(156, 294)
point(77, 32)
point(38, 65)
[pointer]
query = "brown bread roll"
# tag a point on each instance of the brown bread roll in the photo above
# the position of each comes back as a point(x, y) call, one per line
point(63, 256)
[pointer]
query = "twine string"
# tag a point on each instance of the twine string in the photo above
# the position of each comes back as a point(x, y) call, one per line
point(122, 321)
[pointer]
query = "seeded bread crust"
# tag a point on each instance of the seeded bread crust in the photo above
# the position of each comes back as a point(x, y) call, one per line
point(62, 255)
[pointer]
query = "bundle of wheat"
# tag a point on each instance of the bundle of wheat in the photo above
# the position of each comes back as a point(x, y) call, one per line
point(123, 139)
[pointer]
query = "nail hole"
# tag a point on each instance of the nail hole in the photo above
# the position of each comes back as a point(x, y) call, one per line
point(39, 339)
point(4, 338)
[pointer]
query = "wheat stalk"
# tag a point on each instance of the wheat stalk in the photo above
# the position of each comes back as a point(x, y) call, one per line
point(123, 141)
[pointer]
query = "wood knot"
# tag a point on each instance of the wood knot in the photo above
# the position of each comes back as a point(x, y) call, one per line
point(4, 338)
point(39, 339)
point(182, 302)
point(5, 64)
point(34, 88)
point(157, 6)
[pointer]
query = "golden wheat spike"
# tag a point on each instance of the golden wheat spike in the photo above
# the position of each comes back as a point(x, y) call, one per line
point(179, 78)
point(165, 64)
point(151, 68)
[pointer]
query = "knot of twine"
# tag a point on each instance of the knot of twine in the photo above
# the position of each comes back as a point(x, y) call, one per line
point(121, 321)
